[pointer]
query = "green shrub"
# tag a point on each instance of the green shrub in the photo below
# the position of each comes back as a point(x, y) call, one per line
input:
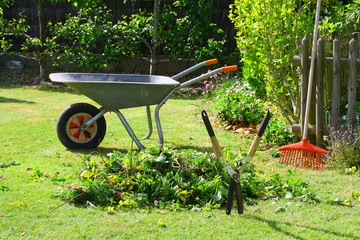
point(236, 103)
point(278, 131)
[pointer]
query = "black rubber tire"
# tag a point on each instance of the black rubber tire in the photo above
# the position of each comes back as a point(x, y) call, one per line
point(70, 120)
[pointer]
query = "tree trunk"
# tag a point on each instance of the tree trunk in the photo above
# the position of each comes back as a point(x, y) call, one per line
point(155, 40)
point(42, 36)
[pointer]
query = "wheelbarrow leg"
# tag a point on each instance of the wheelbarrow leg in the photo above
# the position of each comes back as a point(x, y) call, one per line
point(148, 113)
point(129, 130)
point(158, 124)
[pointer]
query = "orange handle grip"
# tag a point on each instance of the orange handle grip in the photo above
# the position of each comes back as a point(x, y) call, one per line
point(229, 68)
point(211, 62)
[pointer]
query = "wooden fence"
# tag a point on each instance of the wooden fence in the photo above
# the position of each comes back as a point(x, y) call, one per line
point(335, 85)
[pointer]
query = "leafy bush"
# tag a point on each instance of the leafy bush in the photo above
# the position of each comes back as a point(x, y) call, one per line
point(236, 103)
point(268, 36)
point(344, 148)
point(172, 179)
point(278, 131)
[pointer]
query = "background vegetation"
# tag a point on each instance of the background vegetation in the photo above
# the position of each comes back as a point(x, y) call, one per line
point(269, 34)
point(35, 167)
point(142, 194)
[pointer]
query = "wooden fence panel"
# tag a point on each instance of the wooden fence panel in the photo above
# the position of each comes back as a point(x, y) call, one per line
point(352, 82)
point(330, 74)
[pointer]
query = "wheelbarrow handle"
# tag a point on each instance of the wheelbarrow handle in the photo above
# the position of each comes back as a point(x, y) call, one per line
point(206, 75)
point(229, 68)
point(211, 62)
point(193, 68)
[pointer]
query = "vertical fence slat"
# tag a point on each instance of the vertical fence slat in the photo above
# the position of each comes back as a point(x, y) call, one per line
point(356, 35)
point(320, 67)
point(305, 65)
point(352, 82)
point(335, 101)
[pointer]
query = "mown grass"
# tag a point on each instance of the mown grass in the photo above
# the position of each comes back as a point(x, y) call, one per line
point(34, 156)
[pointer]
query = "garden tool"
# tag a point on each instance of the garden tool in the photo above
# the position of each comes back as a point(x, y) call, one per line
point(303, 153)
point(233, 174)
point(256, 141)
point(234, 186)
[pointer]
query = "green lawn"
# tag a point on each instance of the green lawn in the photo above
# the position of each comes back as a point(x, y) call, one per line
point(30, 146)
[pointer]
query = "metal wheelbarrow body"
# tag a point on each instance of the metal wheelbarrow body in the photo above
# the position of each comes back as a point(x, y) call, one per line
point(82, 125)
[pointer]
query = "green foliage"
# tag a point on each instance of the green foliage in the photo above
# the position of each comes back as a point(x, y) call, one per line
point(344, 145)
point(93, 41)
point(237, 103)
point(337, 201)
point(36, 174)
point(278, 131)
point(257, 184)
point(340, 20)
point(192, 34)
point(5, 4)
point(268, 36)
point(6, 165)
point(10, 28)
point(174, 179)
point(356, 196)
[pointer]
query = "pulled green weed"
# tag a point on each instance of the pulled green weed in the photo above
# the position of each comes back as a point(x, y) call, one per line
point(6, 165)
point(174, 179)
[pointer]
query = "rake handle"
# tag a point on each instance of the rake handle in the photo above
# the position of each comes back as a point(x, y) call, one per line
point(312, 69)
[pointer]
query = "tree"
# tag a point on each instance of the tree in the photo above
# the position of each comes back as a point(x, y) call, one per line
point(189, 35)
point(39, 48)
point(92, 40)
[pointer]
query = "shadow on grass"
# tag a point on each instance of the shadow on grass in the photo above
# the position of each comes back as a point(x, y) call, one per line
point(276, 225)
point(13, 100)
point(100, 151)
point(57, 88)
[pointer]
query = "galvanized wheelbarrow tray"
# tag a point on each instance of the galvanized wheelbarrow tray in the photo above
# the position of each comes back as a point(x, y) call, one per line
point(82, 125)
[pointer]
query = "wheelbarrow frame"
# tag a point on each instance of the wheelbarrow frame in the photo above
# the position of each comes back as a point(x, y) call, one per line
point(123, 120)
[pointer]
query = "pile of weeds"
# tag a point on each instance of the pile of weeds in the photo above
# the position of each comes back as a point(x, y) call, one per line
point(174, 179)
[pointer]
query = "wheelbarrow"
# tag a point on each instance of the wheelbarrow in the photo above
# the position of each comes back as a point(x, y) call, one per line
point(82, 125)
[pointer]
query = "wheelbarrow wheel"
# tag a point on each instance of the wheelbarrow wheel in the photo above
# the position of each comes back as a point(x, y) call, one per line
point(69, 127)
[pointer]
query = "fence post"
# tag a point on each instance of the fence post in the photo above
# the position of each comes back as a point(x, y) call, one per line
point(352, 82)
point(320, 65)
point(335, 101)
